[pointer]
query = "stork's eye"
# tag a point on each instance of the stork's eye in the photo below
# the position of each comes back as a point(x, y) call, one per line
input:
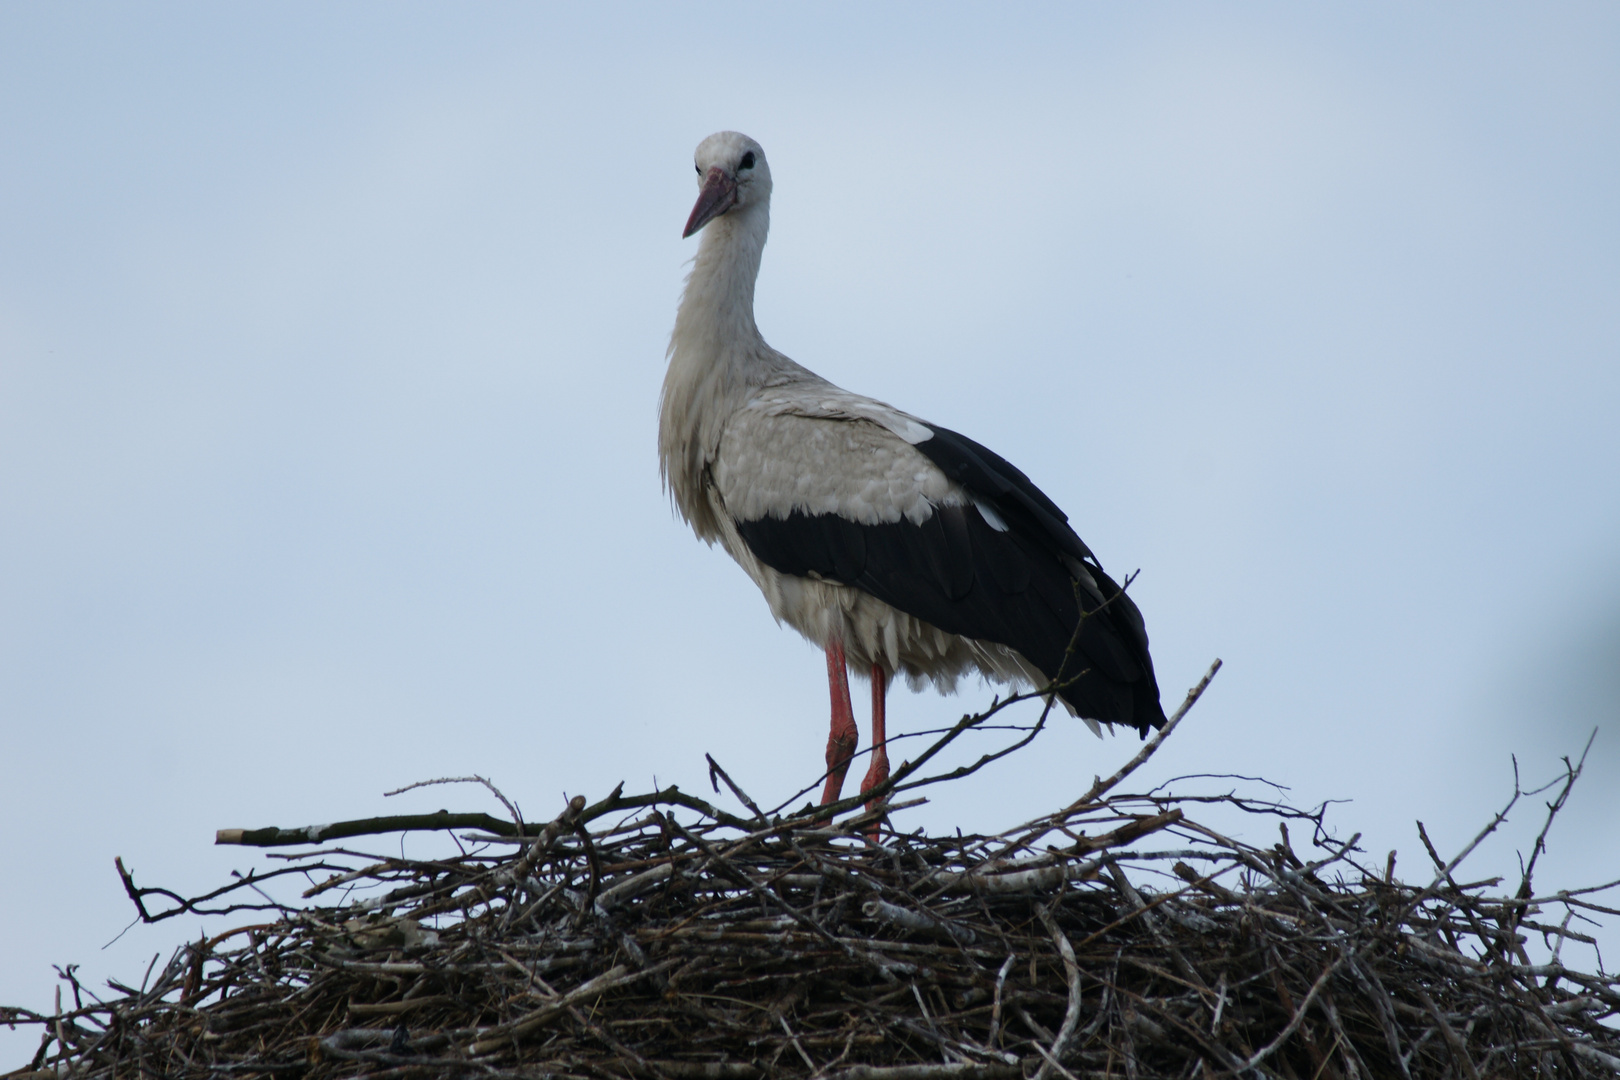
point(747, 161)
point(699, 169)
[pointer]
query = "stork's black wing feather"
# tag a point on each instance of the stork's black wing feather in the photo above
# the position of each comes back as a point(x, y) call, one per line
point(990, 476)
point(1024, 586)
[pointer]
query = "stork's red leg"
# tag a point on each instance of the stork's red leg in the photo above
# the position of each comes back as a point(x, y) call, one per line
point(845, 736)
point(879, 770)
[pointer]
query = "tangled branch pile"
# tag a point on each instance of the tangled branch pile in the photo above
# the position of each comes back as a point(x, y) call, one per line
point(658, 936)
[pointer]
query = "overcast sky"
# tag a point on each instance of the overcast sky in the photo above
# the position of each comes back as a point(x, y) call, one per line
point(331, 338)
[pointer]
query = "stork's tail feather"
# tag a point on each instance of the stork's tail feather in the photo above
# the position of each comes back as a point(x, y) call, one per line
point(1108, 674)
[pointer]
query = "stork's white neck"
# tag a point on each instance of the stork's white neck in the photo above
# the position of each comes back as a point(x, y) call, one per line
point(717, 308)
point(716, 354)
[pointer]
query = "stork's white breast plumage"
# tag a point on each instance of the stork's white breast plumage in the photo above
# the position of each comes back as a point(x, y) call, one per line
point(896, 545)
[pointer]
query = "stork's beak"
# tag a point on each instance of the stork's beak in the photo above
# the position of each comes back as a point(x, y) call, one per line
point(719, 195)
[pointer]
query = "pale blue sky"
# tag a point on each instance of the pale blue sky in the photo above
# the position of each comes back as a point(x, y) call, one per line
point(331, 336)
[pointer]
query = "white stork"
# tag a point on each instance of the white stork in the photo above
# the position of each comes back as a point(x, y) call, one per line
point(894, 544)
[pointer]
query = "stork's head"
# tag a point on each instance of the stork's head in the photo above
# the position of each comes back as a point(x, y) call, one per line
point(733, 176)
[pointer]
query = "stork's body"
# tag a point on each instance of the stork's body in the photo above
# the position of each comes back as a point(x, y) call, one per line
point(897, 546)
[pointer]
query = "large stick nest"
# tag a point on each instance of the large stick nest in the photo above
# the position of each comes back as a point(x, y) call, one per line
point(658, 936)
